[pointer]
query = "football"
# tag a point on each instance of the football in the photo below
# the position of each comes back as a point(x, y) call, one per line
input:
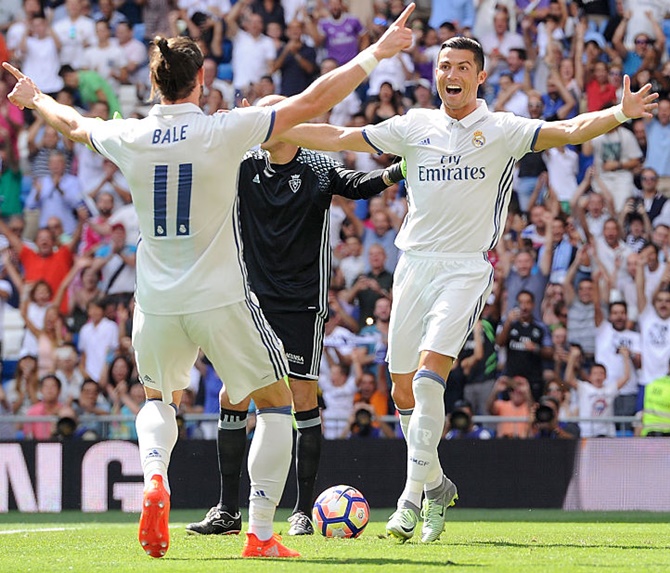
point(340, 511)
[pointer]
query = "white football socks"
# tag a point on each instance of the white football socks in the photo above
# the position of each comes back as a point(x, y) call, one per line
point(425, 431)
point(269, 462)
point(157, 433)
point(404, 416)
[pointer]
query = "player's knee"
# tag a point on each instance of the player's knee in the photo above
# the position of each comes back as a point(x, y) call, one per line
point(402, 396)
point(153, 394)
point(224, 401)
point(304, 394)
point(226, 404)
point(273, 396)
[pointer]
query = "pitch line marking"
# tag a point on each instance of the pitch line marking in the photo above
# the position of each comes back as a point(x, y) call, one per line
point(36, 530)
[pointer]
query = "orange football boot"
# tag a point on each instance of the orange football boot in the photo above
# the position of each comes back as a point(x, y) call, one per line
point(154, 534)
point(254, 547)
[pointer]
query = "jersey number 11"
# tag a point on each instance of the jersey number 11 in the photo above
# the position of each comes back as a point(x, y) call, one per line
point(184, 184)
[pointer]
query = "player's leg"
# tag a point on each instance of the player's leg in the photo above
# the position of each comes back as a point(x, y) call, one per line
point(403, 398)
point(163, 364)
point(405, 329)
point(308, 452)
point(424, 469)
point(302, 334)
point(453, 313)
point(402, 522)
point(268, 465)
point(249, 357)
point(225, 518)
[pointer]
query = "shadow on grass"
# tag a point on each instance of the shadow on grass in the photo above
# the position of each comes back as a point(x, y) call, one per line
point(553, 545)
point(335, 561)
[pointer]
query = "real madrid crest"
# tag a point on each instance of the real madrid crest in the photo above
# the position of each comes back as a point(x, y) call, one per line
point(478, 139)
point(294, 183)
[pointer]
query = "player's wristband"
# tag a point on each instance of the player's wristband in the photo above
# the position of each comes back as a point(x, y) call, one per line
point(619, 115)
point(366, 60)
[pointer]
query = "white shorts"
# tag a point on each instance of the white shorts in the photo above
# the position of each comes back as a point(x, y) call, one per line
point(237, 339)
point(436, 302)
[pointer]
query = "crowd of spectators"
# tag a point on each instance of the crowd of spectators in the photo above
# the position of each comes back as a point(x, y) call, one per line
point(579, 319)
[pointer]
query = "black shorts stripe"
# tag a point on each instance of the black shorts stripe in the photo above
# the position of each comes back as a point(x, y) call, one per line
point(302, 334)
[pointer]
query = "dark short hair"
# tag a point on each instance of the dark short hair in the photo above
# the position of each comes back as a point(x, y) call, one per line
point(463, 43)
point(448, 25)
point(653, 246)
point(65, 69)
point(616, 302)
point(527, 292)
point(88, 382)
point(459, 404)
point(52, 377)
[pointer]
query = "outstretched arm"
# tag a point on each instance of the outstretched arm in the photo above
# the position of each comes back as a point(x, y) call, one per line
point(327, 137)
point(625, 375)
point(63, 118)
point(334, 86)
point(589, 125)
point(362, 185)
point(640, 284)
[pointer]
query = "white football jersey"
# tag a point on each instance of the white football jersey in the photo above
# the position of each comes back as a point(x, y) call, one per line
point(182, 168)
point(459, 174)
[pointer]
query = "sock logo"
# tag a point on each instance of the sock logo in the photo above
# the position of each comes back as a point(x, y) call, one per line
point(426, 435)
point(419, 462)
point(153, 454)
point(260, 493)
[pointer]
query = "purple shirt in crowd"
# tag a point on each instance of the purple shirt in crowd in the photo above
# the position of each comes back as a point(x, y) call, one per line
point(341, 41)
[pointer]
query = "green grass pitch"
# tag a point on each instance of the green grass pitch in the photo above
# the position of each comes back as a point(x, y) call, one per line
point(475, 541)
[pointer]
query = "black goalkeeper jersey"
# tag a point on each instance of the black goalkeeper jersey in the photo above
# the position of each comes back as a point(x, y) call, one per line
point(284, 223)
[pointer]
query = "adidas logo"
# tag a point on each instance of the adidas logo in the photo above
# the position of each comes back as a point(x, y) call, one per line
point(425, 141)
point(256, 179)
point(153, 454)
point(272, 551)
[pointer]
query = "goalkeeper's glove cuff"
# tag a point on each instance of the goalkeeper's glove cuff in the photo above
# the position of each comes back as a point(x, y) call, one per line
point(393, 174)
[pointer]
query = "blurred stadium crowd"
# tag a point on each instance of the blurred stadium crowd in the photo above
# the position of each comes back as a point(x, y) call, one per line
point(578, 323)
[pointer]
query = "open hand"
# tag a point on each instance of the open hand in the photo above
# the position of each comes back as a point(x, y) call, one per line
point(640, 103)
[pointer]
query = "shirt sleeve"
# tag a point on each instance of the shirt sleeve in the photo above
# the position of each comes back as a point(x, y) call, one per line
point(636, 344)
point(388, 136)
point(520, 133)
point(246, 126)
point(107, 137)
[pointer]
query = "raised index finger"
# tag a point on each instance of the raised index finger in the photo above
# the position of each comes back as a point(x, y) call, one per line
point(402, 19)
point(12, 70)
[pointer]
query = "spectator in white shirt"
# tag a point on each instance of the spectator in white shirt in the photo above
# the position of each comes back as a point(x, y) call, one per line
point(76, 32)
point(98, 340)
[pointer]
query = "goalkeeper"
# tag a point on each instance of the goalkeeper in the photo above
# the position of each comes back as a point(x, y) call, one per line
point(284, 201)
